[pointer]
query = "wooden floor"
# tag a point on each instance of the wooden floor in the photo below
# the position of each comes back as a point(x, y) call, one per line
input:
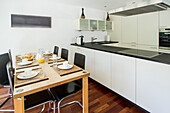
point(101, 100)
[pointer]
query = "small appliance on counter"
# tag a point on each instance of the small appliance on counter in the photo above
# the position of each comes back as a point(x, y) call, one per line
point(79, 40)
point(107, 38)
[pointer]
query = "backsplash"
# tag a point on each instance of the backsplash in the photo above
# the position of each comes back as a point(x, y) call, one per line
point(100, 35)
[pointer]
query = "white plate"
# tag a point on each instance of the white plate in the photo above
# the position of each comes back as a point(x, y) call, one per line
point(69, 66)
point(23, 76)
point(57, 58)
point(25, 63)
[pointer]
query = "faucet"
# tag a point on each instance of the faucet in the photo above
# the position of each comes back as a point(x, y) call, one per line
point(92, 39)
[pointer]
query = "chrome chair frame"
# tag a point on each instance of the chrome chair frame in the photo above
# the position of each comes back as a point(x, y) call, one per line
point(59, 102)
point(67, 103)
point(54, 105)
point(54, 102)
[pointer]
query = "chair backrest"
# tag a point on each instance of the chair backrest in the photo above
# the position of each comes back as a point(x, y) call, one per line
point(10, 76)
point(10, 58)
point(4, 59)
point(79, 60)
point(56, 50)
point(64, 54)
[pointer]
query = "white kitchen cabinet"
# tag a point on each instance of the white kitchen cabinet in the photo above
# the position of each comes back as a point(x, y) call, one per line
point(116, 33)
point(123, 76)
point(82, 24)
point(153, 86)
point(89, 65)
point(89, 61)
point(129, 30)
point(101, 25)
point(108, 25)
point(93, 24)
point(102, 68)
point(148, 29)
point(164, 18)
point(73, 50)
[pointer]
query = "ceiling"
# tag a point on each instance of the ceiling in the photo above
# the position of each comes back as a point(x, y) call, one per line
point(97, 4)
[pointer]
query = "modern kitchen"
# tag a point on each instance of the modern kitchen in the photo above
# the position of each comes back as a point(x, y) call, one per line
point(120, 50)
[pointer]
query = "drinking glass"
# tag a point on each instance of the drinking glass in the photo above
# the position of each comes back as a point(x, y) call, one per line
point(54, 62)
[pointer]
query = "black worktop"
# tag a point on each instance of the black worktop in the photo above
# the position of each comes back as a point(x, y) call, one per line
point(159, 56)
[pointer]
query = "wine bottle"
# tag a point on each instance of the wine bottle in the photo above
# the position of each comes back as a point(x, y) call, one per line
point(107, 18)
point(82, 14)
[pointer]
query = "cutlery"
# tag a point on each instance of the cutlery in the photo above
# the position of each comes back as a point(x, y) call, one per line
point(31, 83)
point(26, 80)
point(71, 72)
point(32, 70)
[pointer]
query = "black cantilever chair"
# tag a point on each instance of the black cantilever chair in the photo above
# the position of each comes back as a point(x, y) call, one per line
point(56, 48)
point(64, 54)
point(4, 59)
point(66, 90)
point(33, 100)
point(10, 58)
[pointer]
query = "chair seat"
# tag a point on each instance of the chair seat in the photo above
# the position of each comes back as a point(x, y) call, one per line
point(37, 98)
point(65, 90)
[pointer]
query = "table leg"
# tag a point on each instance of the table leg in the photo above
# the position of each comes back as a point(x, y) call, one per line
point(19, 105)
point(85, 94)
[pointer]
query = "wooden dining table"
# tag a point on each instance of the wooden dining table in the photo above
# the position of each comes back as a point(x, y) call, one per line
point(52, 76)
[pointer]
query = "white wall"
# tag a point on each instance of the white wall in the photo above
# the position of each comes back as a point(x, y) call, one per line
point(61, 34)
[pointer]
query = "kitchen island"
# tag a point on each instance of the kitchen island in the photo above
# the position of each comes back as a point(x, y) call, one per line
point(138, 75)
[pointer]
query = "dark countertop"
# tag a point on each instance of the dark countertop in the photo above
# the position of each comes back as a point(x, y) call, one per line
point(136, 53)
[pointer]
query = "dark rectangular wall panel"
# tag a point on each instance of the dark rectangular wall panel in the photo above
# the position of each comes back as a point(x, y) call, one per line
point(30, 21)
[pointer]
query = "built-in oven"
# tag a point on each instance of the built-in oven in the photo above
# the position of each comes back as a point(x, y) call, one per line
point(164, 38)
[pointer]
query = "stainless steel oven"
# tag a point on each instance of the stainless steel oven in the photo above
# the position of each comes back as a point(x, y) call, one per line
point(164, 38)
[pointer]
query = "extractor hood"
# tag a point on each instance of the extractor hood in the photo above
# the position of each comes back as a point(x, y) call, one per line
point(145, 6)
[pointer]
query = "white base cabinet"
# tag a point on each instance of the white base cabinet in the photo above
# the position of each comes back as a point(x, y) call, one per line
point(143, 82)
point(153, 86)
point(89, 65)
point(102, 68)
point(123, 76)
point(89, 54)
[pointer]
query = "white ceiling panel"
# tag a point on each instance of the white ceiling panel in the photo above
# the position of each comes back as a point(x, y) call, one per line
point(97, 4)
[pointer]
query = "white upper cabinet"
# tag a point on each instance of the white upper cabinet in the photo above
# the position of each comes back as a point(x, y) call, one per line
point(82, 24)
point(116, 33)
point(93, 25)
point(101, 25)
point(123, 76)
point(129, 30)
point(108, 25)
point(148, 29)
point(164, 18)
